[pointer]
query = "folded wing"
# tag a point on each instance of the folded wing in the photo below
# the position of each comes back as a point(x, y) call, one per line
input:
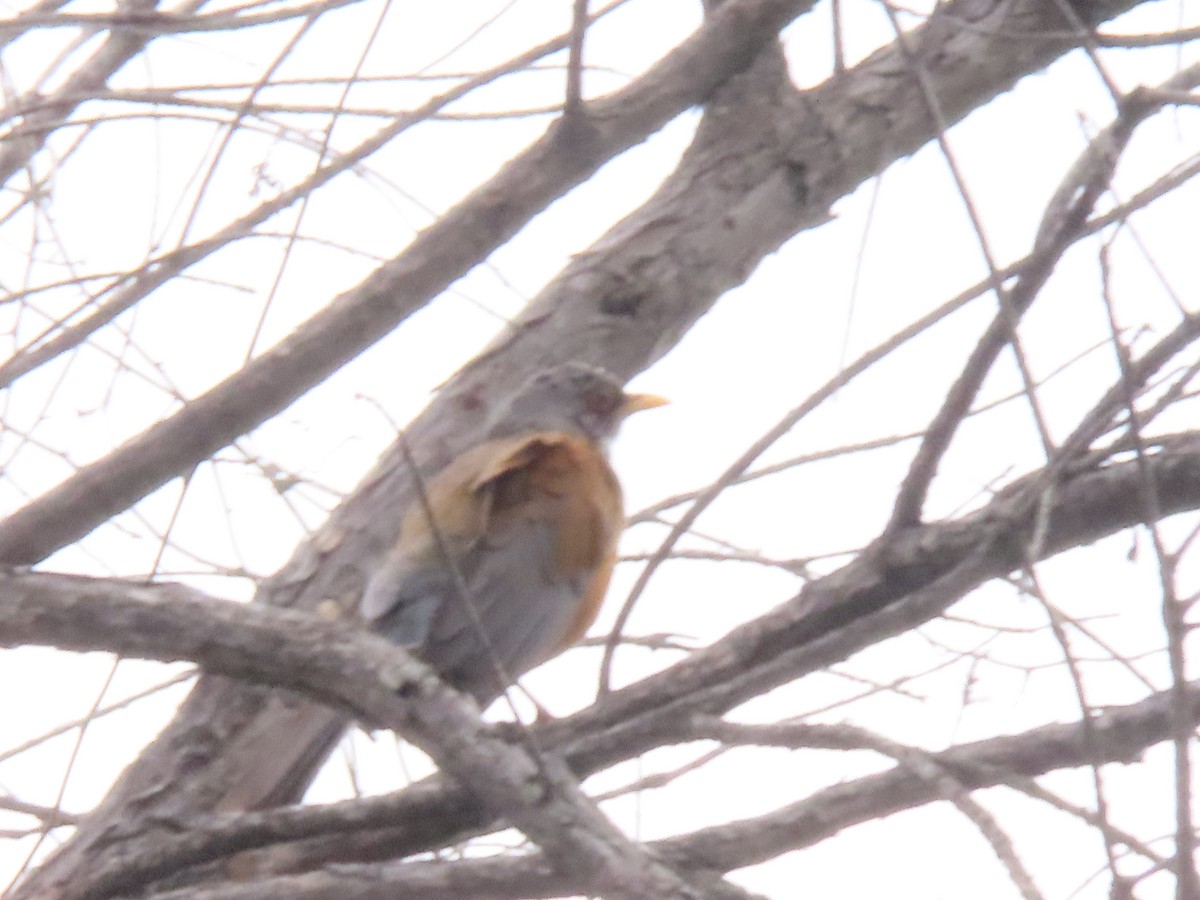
point(530, 525)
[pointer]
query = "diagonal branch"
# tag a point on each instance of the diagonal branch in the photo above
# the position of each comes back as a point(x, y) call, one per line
point(132, 287)
point(928, 568)
point(362, 674)
point(1065, 218)
point(570, 151)
point(621, 305)
point(847, 127)
point(1121, 734)
point(115, 51)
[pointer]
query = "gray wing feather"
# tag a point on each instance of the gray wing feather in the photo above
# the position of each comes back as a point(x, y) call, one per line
point(520, 602)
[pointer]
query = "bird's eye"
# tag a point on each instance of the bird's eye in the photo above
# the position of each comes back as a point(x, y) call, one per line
point(600, 403)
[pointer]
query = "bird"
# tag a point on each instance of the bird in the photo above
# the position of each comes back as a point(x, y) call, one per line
point(504, 558)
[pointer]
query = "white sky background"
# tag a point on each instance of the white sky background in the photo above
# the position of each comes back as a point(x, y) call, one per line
point(130, 187)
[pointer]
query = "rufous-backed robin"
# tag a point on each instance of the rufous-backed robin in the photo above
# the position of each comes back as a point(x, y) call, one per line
point(514, 566)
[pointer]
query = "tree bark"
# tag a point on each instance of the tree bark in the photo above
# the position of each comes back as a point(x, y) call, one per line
point(768, 161)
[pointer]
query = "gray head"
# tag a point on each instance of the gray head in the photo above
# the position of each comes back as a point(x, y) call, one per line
point(571, 397)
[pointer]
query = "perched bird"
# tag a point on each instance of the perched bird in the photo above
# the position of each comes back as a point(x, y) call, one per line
point(513, 567)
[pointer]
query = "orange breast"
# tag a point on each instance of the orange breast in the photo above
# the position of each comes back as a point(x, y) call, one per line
point(567, 480)
point(495, 492)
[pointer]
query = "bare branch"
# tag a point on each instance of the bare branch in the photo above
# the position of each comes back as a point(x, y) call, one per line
point(363, 674)
point(1124, 733)
point(1061, 225)
point(361, 316)
point(928, 569)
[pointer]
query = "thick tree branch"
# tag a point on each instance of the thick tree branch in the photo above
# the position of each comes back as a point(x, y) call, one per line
point(570, 152)
point(927, 568)
point(1118, 735)
point(736, 197)
point(362, 674)
point(884, 592)
point(133, 287)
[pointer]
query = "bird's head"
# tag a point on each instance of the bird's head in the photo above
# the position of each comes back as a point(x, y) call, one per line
point(571, 397)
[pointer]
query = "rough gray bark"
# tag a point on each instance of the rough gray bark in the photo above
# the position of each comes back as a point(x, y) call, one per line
point(1123, 732)
point(365, 675)
point(571, 150)
point(923, 572)
point(767, 162)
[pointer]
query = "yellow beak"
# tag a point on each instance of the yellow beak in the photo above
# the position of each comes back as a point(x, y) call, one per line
point(637, 402)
